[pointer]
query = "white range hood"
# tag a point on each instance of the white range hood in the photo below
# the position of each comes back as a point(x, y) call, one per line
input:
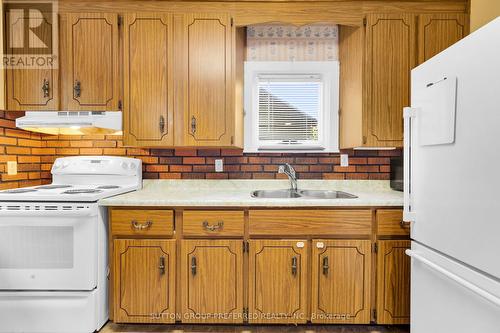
point(72, 122)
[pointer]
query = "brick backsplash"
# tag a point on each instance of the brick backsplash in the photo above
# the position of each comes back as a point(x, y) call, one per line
point(35, 154)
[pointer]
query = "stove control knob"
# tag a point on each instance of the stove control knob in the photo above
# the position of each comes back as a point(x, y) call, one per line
point(57, 165)
point(65, 164)
point(132, 166)
point(124, 165)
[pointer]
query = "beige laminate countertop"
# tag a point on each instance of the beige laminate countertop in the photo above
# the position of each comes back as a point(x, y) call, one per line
point(236, 193)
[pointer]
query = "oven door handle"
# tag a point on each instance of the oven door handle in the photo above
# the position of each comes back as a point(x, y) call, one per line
point(83, 212)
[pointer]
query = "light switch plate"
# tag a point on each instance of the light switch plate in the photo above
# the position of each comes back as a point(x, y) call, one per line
point(219, 165)
point(11, 168)
point(344, 160)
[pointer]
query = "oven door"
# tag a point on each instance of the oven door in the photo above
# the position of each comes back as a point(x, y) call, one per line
point(48, 246)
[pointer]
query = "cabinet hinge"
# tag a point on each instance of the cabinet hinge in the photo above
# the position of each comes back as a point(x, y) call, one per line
point(245, 314)
point(232, 21)
point(364, 139)
point(232, 140)
point(364, 21)
point(120, 20)
point(245, 246)
point(375, 248)
point(120, 106)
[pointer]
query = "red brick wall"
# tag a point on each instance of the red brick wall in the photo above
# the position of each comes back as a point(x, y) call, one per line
point(35, 154)
point(21, 146)
point(199, 163)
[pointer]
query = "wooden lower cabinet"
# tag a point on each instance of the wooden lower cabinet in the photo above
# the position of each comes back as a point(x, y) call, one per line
point(341, 276)
point(212, 281)
point(278, 281)
point(144, 281)
point(393, 282)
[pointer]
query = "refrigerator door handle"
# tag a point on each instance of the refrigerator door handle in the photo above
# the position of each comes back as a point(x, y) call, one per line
point(408, 115)
point(464, 283)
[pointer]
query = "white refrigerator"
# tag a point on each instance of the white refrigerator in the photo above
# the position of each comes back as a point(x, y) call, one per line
point(452, 187)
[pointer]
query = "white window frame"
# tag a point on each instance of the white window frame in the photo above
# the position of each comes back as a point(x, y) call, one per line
point(328, 71)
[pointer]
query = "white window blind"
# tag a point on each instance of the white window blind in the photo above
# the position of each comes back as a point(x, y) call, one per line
point(291, 106)
point(289, 109)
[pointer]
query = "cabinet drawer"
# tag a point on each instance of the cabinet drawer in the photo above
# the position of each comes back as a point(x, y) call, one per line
point(212, 223)
point(148, 222)
point(310, 222)
point(389, 223)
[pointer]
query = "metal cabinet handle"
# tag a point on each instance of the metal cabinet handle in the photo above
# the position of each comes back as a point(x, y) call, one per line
point(77, 89)
point(325, 266)
point(193, 266)
point(294, 266)
point(141, 226)
point(161, 267)
point(404, 224)
point(45, 88)
point(213, 227)
point(193, 124)
point(162, 124)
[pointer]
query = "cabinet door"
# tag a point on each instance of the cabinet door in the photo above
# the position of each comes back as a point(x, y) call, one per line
point(277, 281)
point(144, 281)
point(148, 85)
point(208, 75)
point(31, 89)
point(341, 272)
point(89, 58)
point(393, 282)
point(438, 31)
point(212, 281)
point(390, 55)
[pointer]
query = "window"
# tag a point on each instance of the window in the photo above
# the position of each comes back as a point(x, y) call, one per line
point(291, 106)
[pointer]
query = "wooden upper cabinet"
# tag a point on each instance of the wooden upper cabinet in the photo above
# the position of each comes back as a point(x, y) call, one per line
point(341, 271)
point(278, 273)
point(31, 89)
point(212, 281)
point(207, 65)
point(148, 80)
point(390, 56)
point(439, 31)
point(144, 281)
point(393, 282)
point(89, 54)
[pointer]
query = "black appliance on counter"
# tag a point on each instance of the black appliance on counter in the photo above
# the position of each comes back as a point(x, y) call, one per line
point(397, 173)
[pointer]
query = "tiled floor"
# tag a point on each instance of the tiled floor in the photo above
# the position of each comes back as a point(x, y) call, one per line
point(114, 328)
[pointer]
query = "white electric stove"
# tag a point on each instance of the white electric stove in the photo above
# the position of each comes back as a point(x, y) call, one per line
point(53, 246)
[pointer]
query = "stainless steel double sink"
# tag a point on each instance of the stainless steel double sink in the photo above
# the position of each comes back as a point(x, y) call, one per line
point(306, 194)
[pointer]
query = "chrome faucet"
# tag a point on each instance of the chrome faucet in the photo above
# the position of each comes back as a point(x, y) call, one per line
point(288, 170)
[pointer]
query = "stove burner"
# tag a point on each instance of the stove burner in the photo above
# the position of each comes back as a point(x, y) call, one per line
point(80, 191)
point(107, 187)
point(52, 187)
point(20, 190)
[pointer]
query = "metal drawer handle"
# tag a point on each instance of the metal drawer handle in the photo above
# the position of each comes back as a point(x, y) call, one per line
point(141, 226)
point(325, 266)
point(404, 224)
point(294, 266)
point(161, 267)
point(193, 266)
point(213, 227)
point(45, 88)
point(77, 89)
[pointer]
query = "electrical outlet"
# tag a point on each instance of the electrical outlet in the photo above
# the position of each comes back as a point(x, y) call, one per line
point(219, 165)
point(11, 168)
point(344, 160)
